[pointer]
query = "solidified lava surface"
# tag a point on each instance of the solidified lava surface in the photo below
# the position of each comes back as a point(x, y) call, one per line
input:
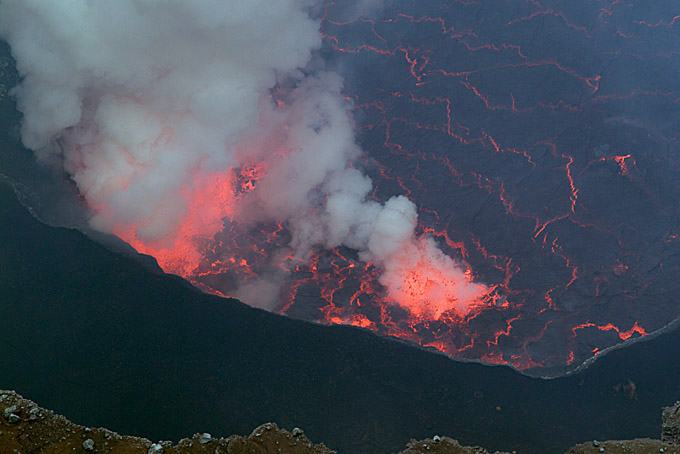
point(538, 139)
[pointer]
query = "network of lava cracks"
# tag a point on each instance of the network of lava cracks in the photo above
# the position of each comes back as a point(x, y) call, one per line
point(534, 166)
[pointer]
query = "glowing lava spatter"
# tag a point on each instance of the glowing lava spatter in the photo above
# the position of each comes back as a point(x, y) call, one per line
point(428, 283)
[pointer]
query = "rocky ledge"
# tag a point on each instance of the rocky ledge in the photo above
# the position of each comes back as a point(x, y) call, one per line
point(670, 428)
point(27, 428)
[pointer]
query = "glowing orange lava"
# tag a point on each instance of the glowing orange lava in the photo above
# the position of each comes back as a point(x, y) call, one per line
point(428, 283)
point(210, 201)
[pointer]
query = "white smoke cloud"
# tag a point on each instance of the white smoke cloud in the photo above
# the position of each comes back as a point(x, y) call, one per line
point(144, 101)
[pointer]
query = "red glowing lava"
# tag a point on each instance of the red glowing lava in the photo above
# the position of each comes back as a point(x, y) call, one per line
point(208, 203)
point(428, 283)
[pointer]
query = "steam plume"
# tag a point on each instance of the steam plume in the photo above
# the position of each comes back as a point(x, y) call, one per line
point(154, 107)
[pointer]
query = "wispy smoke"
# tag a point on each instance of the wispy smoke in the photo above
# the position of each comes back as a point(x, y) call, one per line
point(153, 107)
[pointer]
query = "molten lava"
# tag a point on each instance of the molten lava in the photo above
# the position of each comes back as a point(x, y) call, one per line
point(427, 283)
point(208, 203)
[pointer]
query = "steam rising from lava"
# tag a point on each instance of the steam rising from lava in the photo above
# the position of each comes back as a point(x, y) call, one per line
point(172, 117)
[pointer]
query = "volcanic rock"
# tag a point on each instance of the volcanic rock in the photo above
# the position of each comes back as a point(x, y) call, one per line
point(8, 411)
point(205, 438)
point(88, 445)
point(444, 445)
point(670, 425)
point(637, 446)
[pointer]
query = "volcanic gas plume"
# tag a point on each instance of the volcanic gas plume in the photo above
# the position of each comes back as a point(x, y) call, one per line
point(190, 125)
